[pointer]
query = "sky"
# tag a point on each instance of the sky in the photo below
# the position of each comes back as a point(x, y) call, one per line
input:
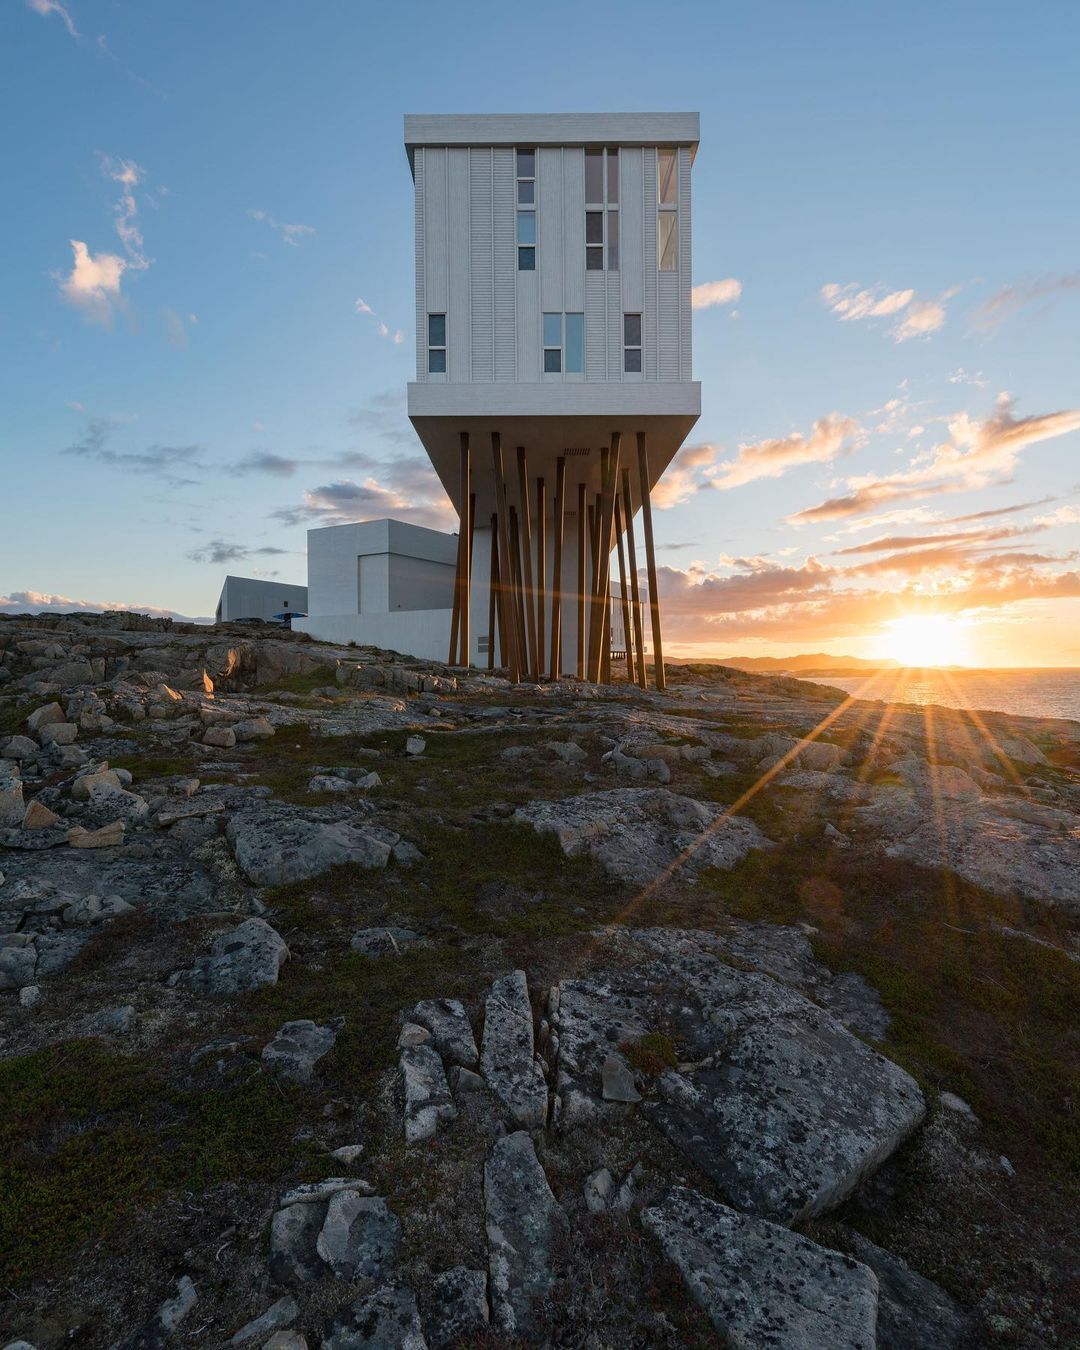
point(206, 304)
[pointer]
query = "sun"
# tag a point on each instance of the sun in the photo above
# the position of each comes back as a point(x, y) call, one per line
point(926, 640)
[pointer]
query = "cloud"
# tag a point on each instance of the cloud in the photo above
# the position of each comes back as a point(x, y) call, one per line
point(961, 376)
point(976, 455)
point(40, 602)
point(47, 7)
point(682, 478)
point(163, 461)
point(831, 436)
point(407, 489)
point(1011, 299)
point(176, 327)
point(219, 551)
point(265, 461)
point(920, 317)
point(709, 293)
point(93, 284)
point(999, 511)
point(901, 541)
point(395, 335)
point(293, 235)
point(362, 307)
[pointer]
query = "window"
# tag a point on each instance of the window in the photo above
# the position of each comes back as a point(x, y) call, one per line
point(601, 210)
point(436, 336)
point(526, 218)
point(564, 344)
point(667, 226)
point(632, 343)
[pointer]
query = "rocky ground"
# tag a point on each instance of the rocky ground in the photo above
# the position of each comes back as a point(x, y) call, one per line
point(351, 1001)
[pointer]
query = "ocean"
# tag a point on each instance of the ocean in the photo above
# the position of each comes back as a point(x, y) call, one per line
point(1029, 693)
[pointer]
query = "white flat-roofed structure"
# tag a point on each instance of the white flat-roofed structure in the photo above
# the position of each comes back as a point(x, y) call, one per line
point(255, 598)
point(553, 383)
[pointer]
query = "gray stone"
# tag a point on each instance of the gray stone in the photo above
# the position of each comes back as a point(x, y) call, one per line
point(112, 1021)
point(913, 1312)
point(569, 752)
point(406, 854)
point(30, 996)
point(253, 729)
point(359, 1237)
point(83, 787)
point(12, 807)
point(427, 1095)
point(640, 833)
point(597, 1190)
point(387, 1319)
point(224, 738)
point(348, 1153)
point(59, 733)
point(173, 1311)
point(294, 1232)
point(762, 1284)
point(246, 957)
point(617, 1081)
point(412, 1034)
point(459, 1306)
point(522, 1219)
point(116, 803)
point(415, 745)
point(42, 717)
point(293, 1052)
point(507, 1060)
point(276, 845)
point(286, 1340)
point(20, 748)
point(279, 1314)
point(328, 782)
point(383, 941)
point(627, 1194)
point(312, 1192)
point(449, 1025)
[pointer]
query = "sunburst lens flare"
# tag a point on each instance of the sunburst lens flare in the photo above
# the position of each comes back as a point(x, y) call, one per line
point(926, 640)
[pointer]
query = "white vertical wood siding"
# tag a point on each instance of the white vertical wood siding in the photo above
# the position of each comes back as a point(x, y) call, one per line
point(466, 265)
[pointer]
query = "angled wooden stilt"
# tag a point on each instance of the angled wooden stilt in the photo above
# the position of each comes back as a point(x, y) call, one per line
point(493, 582)
point(650, 561)
point(555, 669)
point(628, 636)
point(528, 592)
point(464, 550)
point(505, 624)
point(541, 574)
point(635, 590)
point(582, 525)
point(605, 543)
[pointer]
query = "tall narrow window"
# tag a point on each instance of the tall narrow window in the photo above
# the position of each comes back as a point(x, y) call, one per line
point(564, 344)
point(632, 343)
point(601, 210)
point(436, 336)
point(526, 214)
point(667, 224)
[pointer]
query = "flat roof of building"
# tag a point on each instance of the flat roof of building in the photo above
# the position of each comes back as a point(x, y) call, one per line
point(625, 128)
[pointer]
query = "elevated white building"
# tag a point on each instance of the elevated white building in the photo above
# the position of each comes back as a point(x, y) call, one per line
point(553, 375)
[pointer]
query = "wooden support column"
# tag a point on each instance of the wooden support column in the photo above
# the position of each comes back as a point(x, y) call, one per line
point(506, 627)
point(582, 522)
point(528, 592)
point(493, 586)
point(517, 592)
point(605, 521)
point(635, 591)
point(541, 574)
point(554, 669)
point(650, 561)
point(628, 633)
point(465, 550)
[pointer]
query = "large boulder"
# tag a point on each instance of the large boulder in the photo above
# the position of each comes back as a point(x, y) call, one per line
point(760, 1283)
point(640, 833)
point(387, 1319)
point(248, 956)
point(275, 845)
point(523, 1218)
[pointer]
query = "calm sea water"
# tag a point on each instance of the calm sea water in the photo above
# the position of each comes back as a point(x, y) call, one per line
point(1030, 693)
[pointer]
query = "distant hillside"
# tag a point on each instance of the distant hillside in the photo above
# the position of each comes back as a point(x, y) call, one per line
point(817, 661)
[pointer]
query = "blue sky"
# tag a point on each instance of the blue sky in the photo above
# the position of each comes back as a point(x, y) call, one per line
point(202, 385)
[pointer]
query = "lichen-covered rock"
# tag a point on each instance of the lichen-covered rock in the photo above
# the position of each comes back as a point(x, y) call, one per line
point(427, 1094)
point(507, 1058)
point(294, 1232)
point(459, 1306)
point(913, 1312)
point(359, 1236)
point(275, 845)
point(523, 1217)
point(639, 833)
point(762, 1284)
point(246, 957)
point(387, 1319)
point(293, 1052)
point(450, 1029)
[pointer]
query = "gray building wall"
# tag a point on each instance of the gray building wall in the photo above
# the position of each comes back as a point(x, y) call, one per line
point(378, 566)
point(254, 598)
point(466, 264)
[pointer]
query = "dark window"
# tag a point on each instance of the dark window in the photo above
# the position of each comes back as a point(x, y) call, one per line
point(613, 241)
point(632, 360)
point(526, 260)
point(594, 227)
point(526, 192)
point(594, 259)
point(437, 361)
point(602, 226)
point(612, 177)
point(526, 163)
point(594, 176)
point(631, 326)
point(552, 360)
point(526, 218)
point(436, 332)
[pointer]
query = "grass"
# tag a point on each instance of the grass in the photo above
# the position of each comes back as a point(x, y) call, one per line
point(86, 1135)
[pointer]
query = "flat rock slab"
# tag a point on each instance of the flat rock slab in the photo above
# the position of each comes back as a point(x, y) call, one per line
point(427, 1093)
point(451, 1031)
point(522, 1219)
point(640, 833)
point(761, 1284)
point(246, 957)
point(359, 1237)
point(777, 1101)
point(293, 1052)
point(459, 1307)
point(913, 1312)
point(387, 1319)
point(275, 845)
point(507, 1058)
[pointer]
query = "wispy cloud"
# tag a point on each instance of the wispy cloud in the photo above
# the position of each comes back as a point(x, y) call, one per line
point(1011, 299)
point(293, 235)
point(163, 461)
point(396, 335)
point(176, 327)
point(220, 551)
point(830, 436)
point(915, 317)
point(977, 454)
point(709, 293)
point(47, 7)
point(962, 376)
point(405, 487)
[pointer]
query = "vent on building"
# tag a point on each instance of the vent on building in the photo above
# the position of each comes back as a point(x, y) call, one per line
point(577, 450)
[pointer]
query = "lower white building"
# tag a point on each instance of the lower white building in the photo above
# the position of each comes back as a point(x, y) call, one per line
point(253, 598)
